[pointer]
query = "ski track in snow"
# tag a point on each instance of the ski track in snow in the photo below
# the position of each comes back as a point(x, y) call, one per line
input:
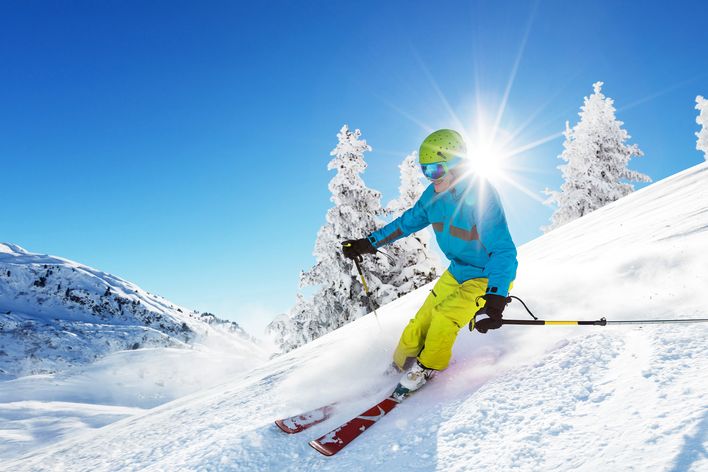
point(615, 398)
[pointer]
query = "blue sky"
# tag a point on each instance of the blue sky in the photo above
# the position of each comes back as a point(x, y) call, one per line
point(183, 145)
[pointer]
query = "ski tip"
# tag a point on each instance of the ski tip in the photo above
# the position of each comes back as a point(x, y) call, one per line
point(321, 449)
point(285, 429)
point(298, 423)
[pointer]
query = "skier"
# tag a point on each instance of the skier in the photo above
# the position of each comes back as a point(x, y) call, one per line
point(470, 228)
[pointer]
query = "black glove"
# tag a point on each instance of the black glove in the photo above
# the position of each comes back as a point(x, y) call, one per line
point(355, 248)
point(493, 308)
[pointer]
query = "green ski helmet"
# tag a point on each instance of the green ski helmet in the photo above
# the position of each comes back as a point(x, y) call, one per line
point(441, 151)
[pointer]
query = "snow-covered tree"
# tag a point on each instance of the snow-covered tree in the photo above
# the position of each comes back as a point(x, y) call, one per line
point(339, 296)
point(293, 329)
point(702, 119)
point(411, 187)
point(416, 263)
point(596, 156)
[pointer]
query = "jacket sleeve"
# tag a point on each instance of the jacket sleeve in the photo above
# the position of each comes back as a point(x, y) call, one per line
point(412, 220)
point(494, 235)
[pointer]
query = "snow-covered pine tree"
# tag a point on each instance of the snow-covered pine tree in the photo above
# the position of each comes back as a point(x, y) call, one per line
point(416, 263)
point(702, 119)
point(339, 296)
point(597, 156)
point(411, 187)
point(291, 329)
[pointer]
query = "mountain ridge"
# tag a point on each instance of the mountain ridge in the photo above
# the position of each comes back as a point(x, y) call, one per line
point(55, 313)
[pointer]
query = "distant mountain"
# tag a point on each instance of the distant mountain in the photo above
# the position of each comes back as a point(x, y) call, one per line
point(56, 313)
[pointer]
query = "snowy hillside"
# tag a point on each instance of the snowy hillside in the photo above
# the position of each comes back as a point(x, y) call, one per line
point(56, 313)
point(521, 398)
point(80, 349)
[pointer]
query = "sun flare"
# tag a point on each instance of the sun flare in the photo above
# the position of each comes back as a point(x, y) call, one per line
point(485, 158)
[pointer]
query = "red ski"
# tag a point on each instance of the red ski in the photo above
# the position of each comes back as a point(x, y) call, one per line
point(334, 441)
point(304, 421)
point(301, 422)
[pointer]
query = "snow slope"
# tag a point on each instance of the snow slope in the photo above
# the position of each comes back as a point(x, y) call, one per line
point(521, 398)
point(80, 349)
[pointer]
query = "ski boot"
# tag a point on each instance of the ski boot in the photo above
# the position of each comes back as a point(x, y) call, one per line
point(412, 380)
point(393, 368)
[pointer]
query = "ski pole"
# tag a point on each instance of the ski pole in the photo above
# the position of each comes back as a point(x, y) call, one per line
point(363, 280)
point(357, 261)
point(601, 322)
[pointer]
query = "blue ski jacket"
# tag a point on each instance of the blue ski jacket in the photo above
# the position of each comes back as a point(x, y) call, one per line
point(470, 228)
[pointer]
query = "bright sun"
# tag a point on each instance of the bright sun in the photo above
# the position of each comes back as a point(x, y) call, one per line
point(485, 159)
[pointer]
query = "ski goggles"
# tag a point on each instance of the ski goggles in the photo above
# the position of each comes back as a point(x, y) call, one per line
point(435, 171)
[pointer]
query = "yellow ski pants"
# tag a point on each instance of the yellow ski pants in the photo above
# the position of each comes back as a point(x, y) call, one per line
point(432, 332)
